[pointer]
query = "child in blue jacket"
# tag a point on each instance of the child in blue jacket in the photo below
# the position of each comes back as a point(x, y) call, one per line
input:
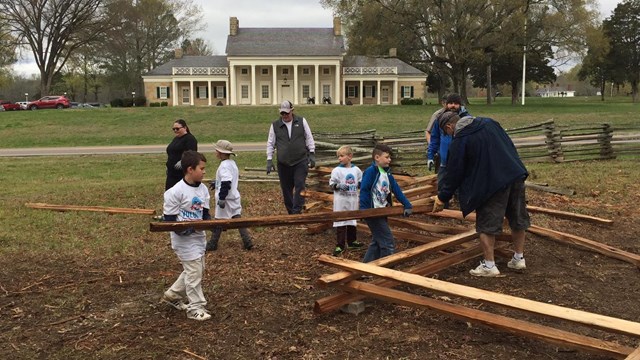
point(375, 192)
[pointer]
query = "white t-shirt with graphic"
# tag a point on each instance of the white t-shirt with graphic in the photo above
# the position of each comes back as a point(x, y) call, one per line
point(228, 171)
point(345, 200)
point(381, 190)
point(188, 203)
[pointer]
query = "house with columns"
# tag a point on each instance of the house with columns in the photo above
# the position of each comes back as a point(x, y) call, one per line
point(264, 66)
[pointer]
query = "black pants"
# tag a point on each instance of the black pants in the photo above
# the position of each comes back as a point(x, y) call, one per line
point(292, 182)
point(345, 235)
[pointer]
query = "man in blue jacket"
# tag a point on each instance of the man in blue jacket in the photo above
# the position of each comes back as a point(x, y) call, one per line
point(484, 166)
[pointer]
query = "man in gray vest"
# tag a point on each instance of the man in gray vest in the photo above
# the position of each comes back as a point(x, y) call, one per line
point(290, 137)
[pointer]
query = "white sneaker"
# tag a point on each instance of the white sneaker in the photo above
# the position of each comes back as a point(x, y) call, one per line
point(177, 304)
point(516, 264)
point(483, 270)
point(200, 315)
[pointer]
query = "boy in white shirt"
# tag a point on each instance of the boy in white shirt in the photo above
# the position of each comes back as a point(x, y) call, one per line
point(188, 200)
point(345, 182)
point(227, 196)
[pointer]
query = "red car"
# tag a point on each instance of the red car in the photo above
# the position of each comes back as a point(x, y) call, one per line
point(8, 105)
point(50, 102)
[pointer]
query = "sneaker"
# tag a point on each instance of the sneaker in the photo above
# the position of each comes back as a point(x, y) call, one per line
point(517, 264)
point(483, 270)
point(338, 250)
point(355, 244)
point(177, 304)
point(200, 315)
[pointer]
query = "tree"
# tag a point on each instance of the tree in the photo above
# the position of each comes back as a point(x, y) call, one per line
point(197, 46)
point(623, 31)
point(53, 30)
point(595, 65)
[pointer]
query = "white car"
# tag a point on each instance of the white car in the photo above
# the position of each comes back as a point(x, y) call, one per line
point(23, 104)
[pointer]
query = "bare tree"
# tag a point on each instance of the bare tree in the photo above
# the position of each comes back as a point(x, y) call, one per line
point(53, 30)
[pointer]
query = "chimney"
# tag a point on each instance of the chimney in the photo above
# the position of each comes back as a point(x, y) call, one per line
point(393, 52)
point(337, 26)
point(178, 53)
point(234, 24)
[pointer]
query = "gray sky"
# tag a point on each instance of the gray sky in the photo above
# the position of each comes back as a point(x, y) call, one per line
point(261, 13)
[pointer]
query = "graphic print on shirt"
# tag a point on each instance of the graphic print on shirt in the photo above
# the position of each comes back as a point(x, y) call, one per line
point(350, 180)
point(380, 193)
point(195, 211)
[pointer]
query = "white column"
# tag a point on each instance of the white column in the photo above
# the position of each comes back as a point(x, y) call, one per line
point(316, 85)
point(174, 88)
point(378, 92)
point(226, 88)
point(344, 93)
point(361, 92)
point(232, 86)
point(210, 88)
point(337, 90)
point(395, 92)
point(295, 84)
point(191, 98)
point(274, 101)
point(253, 85)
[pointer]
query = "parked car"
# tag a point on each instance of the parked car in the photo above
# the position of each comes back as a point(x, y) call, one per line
point(50, 102)
point(8, 105)
point(23, 104)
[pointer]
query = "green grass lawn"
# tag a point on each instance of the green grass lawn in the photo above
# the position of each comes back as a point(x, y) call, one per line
point(145, 126)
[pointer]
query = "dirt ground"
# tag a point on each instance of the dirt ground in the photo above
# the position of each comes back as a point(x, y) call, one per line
point(56, 307)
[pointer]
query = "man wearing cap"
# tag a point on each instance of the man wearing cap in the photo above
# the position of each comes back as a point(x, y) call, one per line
point(439, 141)
point(484, 166)
point(290, 137)
point(435, 117)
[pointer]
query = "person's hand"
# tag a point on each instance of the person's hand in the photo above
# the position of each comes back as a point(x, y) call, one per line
point(312, 160)
point(430, 164)
point(343, 187)
point(178, 165)
point(270, 167)
point(186, 232)
point(438, 205)
point(212, 185)
point(221, 204)
point(407, 212)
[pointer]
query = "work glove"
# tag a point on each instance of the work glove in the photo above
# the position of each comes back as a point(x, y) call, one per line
point(178, 165)
point(407, 212)
point(212, 185)
point(186, 232)
point(430, 164)
point(438, 205)
point(270, 167)
point(221, 204)
point(312, 160)
point(343, 187)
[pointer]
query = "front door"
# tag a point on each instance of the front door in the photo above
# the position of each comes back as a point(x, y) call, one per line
point(286, 93)
point(384, 94)
point(186, 96)
point(244, 94)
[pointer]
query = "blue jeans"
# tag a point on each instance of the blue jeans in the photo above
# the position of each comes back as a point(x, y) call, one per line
point(382, 243)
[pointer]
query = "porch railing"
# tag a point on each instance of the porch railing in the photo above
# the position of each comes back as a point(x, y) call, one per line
point(200, 71)
point(380, 70)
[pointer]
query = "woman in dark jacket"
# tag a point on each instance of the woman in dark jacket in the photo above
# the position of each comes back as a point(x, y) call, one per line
point(182, 142)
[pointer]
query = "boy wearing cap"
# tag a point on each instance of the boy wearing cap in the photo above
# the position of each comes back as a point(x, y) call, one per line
point(227, 197)
point(290, 136)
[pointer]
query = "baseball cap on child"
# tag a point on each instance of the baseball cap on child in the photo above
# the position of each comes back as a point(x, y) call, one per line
point(286, 106)
point(224, 146)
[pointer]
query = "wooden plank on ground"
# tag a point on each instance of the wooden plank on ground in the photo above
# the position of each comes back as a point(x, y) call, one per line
point(336, 301)
point(549, 189)
point(569, 215)
point(588, 244)
point(514, 326)
point(634, 355)
point(401, 234)
point(109, 210)
point(403, 256)
point(417, 225)
point(536, 307)
point(284, 220)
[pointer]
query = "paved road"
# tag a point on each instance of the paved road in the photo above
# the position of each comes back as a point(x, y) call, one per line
point(125, 149)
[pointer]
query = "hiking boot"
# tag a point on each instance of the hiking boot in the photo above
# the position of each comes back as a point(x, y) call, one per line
point(338, 250)
point(177, 304)
point(355, 244)
point(200, 315)
point(211, 246)
point(516, 264)
point(248, 246)
point(483, 270)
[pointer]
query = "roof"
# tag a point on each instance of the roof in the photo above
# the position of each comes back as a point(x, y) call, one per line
point(366, 61)
point(190, 61)
point(285, 42)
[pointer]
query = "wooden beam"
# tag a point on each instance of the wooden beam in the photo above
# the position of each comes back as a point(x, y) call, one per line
point(569, 215)
point(109, 210)
point(549, 189)
point(417, 225)
point(634, 355)
point(284, 220)
point(583, 317)
point(402, 235)
point(318, 228)
point(336, 301)
point(587, 244)
point(403, 256)
point(514, 326)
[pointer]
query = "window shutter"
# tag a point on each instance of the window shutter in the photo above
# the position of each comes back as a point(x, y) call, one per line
point(168, 92)
point(356, 92)
point(412, 92)
point(373, 91)
point(206, 92)
point(401, 91)
point(197, 92)
point(224, 92)
point(215, 91)
point(157, 92)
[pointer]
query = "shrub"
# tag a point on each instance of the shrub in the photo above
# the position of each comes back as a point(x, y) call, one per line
point(164, 103)
point(154, 104)
point(117, 103)
point(412, 101)
point(140, 101)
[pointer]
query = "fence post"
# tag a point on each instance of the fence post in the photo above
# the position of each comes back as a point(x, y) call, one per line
point(554, 142)
point(606, 150)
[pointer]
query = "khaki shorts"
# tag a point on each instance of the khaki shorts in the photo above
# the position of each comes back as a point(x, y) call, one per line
point(509, 202)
